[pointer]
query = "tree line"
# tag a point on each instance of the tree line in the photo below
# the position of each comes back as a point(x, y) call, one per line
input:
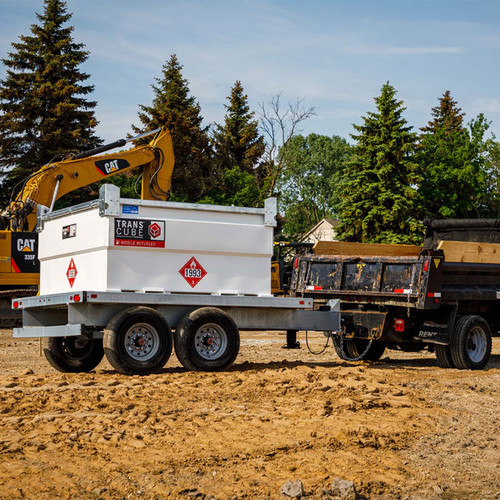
point(381, 185)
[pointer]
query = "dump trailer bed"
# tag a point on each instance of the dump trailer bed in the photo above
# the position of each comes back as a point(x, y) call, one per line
point(410, 301)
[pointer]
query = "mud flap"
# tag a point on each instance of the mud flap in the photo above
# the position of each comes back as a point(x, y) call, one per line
point(436, 327)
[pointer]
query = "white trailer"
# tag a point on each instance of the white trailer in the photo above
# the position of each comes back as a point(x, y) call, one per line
point(118, 275)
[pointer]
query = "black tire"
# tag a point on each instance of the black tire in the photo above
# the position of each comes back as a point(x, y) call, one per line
point(355, 347)
point(443, 356)
point(73, 354)
point(207, 339)
point(471, 343)
point(137, 341)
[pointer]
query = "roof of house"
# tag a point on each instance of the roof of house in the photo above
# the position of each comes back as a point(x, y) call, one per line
point(333, 222)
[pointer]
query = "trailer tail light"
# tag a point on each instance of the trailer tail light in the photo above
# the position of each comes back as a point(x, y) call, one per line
point(15, 305)
point(399, 325)
point(426, 266)
point(76, 298)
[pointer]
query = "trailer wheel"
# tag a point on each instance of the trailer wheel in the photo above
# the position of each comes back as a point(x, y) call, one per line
point(355, 347)
point(137, 341)
point(73, 354)
point(443, 356)
point(207, 339)
point(471, 343)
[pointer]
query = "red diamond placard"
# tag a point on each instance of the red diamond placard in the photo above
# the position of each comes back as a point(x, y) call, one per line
point(71, 273)
point(193, 272)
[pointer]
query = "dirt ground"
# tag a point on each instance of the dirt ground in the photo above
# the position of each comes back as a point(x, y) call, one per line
point(399, 428)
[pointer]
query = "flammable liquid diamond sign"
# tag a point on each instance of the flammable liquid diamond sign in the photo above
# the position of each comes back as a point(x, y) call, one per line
point(192, 271)
point(71, 273)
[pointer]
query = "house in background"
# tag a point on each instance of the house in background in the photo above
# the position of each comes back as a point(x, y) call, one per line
point(324, 230)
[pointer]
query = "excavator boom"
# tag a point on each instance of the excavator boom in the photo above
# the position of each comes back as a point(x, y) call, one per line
point(55, 180)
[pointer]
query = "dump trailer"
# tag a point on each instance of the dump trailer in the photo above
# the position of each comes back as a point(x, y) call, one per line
point(117, 276)
point(444, 296)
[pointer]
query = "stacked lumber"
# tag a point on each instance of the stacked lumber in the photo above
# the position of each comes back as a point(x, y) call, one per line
point(365, 249)
point(470, 251)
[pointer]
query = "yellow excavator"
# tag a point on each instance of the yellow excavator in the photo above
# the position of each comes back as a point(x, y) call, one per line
point(19, 266)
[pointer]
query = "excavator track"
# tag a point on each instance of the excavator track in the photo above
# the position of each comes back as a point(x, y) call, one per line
point(10, 318)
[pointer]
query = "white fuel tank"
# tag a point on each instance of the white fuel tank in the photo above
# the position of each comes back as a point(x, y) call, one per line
point(117, 244)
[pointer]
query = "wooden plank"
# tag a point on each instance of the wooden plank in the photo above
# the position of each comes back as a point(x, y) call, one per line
point(470, 251)
point(364, 249)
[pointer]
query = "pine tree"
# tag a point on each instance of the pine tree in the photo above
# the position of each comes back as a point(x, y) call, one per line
point(43, 111)
point(238, 148)
point(447, 117)
point(379, 200)
point(174, 108)
point(454, 178)
point(238, 141)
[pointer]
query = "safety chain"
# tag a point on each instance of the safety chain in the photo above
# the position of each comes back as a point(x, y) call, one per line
point(318, 352)
point(339, 344)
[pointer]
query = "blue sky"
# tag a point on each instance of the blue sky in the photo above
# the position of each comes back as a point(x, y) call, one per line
point(334, 54)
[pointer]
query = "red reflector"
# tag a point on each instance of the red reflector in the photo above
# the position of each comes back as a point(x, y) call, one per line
point(436, 301)
point(76, 298)
point(15, 305)
point(399, 325)
point(93, 295)
point(301, 302)
point(426, 266)
point(295, 262)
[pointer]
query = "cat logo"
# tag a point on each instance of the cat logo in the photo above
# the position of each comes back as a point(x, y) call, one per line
point(436, 262)
point(108, 167)
point(26, 245)
point(111, 166)
point(360, 266)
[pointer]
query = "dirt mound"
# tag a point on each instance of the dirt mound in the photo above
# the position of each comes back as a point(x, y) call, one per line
point(402, 428)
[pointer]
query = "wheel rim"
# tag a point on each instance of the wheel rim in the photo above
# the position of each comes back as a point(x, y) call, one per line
point(142, 341)
point(476, 344)
point(76, 348)
point(210, 341)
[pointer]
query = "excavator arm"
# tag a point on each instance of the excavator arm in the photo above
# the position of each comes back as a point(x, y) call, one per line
point(55, 180)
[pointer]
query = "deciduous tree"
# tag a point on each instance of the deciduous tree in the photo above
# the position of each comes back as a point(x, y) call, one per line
point(309, 181)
